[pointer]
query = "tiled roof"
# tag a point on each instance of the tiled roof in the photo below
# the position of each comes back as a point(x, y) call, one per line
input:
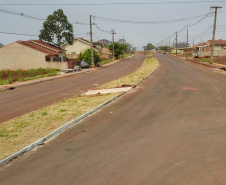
point(218, 42)
point(42, 47)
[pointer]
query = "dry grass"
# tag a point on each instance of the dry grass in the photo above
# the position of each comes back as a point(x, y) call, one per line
point(22, 131)
point(149, 65)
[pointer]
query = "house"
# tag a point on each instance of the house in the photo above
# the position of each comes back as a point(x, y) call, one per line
point(105, 42)
point(80, 45)
point(204, 50)
point(32, 54)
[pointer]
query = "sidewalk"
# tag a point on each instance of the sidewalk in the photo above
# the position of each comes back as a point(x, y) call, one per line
point(214, 65)
point(29, 82)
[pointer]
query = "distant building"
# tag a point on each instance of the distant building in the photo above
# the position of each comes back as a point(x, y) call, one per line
point(105, 42)
point(122, 41)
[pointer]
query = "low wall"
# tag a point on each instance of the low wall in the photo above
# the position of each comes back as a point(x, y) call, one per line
point(216, 53)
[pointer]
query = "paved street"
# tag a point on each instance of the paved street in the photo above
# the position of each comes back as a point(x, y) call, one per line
point(29, 98)
point(169, 130)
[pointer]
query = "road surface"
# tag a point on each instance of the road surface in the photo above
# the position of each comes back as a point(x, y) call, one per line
point(169, 130)
point(29, 98)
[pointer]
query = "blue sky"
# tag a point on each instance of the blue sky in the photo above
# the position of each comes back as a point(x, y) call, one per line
point(137, 34)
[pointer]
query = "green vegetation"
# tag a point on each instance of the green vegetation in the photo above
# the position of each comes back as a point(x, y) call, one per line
point(57, 27)
point(149, 47)
point(86, 56)
point(8, 76)
point(207, 60)
point(119, 49)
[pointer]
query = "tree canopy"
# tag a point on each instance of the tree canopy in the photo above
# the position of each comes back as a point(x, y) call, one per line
point(150, 46)
point(119, 49)
point(86, 56)
point(57, 29)
point(1, 45)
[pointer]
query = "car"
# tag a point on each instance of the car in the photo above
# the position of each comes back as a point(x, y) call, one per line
point(84, 64)
point(164, 52)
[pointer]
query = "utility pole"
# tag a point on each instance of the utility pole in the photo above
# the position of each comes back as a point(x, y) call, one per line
point(91, 41)
point(214, 30)
point(169, 46)
point(187, 44)
point(113, 48)
point(176, 43)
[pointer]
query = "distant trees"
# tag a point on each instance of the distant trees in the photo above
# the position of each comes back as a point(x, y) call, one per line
point(164, 48)
point(150, 46)
point(1, 45)
point(119, 49)
point(86, 56)
point(57, 29)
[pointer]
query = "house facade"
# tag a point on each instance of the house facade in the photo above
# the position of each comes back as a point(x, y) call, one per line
point(204, 49)
point(80, 45)
point(32, 54)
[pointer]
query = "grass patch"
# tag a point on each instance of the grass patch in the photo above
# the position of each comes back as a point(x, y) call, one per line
point(22, 131)
point(8, 76)
point(207, 60)
point(149, 65)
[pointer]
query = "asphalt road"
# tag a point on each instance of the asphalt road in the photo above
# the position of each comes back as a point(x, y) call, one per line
point(25, 99)
point(169, 130)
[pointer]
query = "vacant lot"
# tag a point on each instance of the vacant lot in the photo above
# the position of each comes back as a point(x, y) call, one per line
point(8, 76)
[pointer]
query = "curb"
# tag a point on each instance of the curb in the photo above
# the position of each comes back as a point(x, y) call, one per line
point(66, 126)
point(55, 132)
point(196, 62)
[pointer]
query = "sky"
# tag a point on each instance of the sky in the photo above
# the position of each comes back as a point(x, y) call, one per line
point(139, 22)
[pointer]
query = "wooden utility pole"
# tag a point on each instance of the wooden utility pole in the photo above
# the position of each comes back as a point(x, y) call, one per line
point(176, 43)
point(113, 47)
point(214, 31)
point(91, 41)
point(187, 44)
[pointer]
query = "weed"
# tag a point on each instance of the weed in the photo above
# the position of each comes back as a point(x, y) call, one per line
point(44, 113)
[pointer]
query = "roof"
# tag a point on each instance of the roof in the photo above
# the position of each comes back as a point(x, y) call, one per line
point(42, 47)
point(85, 41)
point(218, 42)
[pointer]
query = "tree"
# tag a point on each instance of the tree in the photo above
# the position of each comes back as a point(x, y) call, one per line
point(150, 46)
point(86, 56)
point(1, 45)
point(119, 49)
point(164, 48)
point(57, 29)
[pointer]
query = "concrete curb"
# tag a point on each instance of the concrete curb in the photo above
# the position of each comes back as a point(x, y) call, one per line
point(66, 126)
point(55, 132)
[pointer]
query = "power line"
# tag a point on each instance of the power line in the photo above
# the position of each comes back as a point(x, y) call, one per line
point(153, 22)
point(102, 29)
point(107, 4)
point(22, 34)
point(21, 14)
